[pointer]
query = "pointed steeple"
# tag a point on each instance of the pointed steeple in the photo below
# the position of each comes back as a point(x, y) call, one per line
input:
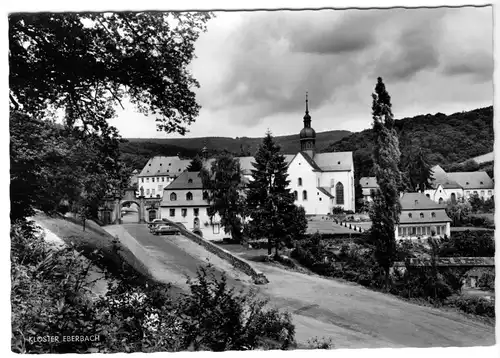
point(307, 134)
point(307, 117)
point(204, 150)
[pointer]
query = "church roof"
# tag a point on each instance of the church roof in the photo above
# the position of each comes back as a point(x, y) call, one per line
point(160, 165)
point(325, 191)
point(334, 161)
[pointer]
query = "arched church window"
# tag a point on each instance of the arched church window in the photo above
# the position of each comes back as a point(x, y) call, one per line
point(339, 193)
point(304, 195)
point(189, 196)
point(173, 197)
point(300, 181)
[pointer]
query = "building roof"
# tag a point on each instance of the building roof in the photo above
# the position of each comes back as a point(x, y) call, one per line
point(488, 157)
point(161, 166)
point(418, 201)
point(185, 181)
point(439, 217)
point(368, 182)
point(325, 191)
point(334, 161)
point(472, 180)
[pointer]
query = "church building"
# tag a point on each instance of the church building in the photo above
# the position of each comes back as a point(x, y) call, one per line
point(320, 181)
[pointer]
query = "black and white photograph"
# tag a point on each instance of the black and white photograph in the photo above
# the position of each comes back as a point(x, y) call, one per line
point(251, 179)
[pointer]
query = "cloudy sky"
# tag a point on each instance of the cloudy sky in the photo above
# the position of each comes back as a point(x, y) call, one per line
point(255, 67)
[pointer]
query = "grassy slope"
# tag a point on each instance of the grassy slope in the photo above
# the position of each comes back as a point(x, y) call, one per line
point(92, 239)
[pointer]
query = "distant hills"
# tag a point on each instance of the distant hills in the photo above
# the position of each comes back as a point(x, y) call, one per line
point(446, 140)
point(136, 151)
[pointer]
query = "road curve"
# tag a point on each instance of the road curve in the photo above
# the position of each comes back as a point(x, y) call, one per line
point(353, 316)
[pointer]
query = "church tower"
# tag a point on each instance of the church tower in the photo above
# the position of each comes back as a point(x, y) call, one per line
point(307, 134)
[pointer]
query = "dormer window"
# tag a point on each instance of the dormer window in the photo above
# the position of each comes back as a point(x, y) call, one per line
point(409, 215)
point(467, 183)
point(190, 181)
point(481, 183)
point(338, 163)
point(433, 215)
point(421, 215)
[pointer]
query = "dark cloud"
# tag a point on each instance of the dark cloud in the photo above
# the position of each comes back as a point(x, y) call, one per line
point(478, 65)
point(352, 33)
point(271, 58)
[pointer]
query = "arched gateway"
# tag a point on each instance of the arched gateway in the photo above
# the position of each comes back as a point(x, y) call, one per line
point(111, 208)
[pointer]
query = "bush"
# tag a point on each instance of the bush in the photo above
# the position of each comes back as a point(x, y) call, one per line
point(473, 305)
point(50, 297)
point(337, 210)
point(487, 281)
point(320, 343)
point(468, 244)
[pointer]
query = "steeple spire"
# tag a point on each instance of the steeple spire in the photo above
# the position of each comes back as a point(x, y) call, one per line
point(307, 117)
point(307, 104)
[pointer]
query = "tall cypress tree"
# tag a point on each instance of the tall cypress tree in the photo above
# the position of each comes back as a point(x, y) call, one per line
point(386, 156)
point(417, 170)
point(270, 203)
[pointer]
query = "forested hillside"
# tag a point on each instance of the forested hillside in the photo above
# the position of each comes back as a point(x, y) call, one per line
point(445, 140)
point(137, 151)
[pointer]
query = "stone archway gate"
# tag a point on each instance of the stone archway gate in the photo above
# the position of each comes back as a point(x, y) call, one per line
point(111, 208)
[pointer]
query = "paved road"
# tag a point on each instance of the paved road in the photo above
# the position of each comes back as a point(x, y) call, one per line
point(174, 258)
point(353, 316)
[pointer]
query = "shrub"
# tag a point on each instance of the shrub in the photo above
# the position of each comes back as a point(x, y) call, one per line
point(320, 343)
point(487, 281)
point(337, 210)
point(473, 305)
point(468, 244)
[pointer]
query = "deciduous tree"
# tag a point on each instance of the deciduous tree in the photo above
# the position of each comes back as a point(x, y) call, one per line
point(87, 63)
point(224, 184)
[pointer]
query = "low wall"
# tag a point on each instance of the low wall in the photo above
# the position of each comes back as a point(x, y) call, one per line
point(240, 264)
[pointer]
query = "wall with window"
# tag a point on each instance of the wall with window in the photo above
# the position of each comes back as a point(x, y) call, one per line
point(153, 185)
point(303, 179)
point(422, 230)
point(444, 194)
point(346, 178)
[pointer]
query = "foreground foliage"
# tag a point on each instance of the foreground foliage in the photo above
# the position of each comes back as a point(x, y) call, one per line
point(50, 296)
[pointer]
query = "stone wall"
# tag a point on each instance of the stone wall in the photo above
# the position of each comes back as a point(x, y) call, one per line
point(237, 262)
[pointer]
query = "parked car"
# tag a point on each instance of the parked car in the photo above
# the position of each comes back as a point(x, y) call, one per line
point(166, 230)
point(153, 224)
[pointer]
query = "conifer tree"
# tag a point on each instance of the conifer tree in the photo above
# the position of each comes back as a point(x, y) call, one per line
point(417, 171)
point(270, 203)
point(196, 164)
point(386, 207)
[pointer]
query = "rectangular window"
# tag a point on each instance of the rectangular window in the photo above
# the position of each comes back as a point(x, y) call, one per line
point(208, 212)
point(142, 180)
point(160, 188)
point(489, 192)
point(147, 180)
point(162, 179)
point(153, 180)
point(404, 232)
point(438, 230)
point(147, 191)
point(196, 211)
point(216, 228)
point(467, 192)
point(413, 230)
point(184, 212)
point(400, 231)
point(153, 192)
point(172, 212)
point(482, 193)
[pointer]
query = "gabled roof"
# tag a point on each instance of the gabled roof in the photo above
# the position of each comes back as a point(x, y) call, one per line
point(472, 180)
point(368, 182)
point(439, 217)
point(335, 161)
point(311, 162)
point(160, 165)
point(418, 201)
point(186, 180)
point(325, 191)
